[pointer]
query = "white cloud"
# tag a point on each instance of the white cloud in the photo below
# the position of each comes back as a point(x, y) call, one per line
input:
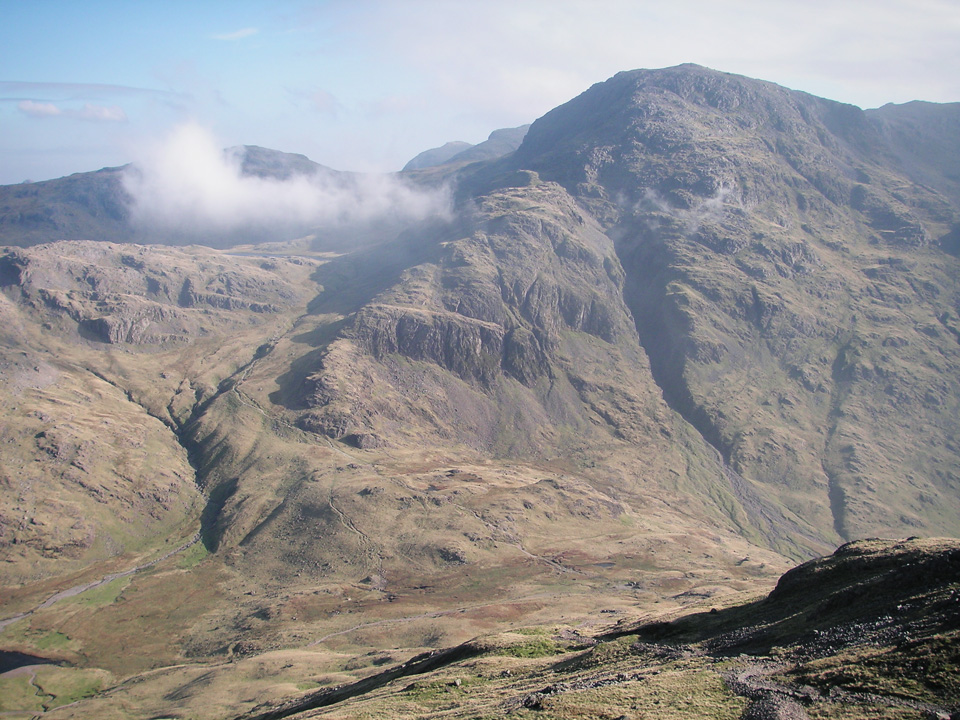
point(75, 91)
point(39, 109)
point(704, 210)
point(237, 34)
point(113, 113)
point(187, 183)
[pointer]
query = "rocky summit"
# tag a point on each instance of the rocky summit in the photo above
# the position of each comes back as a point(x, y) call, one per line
point(694, 329)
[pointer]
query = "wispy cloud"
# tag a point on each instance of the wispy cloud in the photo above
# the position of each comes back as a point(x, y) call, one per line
point(89, 111)
point(187, 183)
point(701, 211)
point(100, 113)
point(237, 34)
point(38, 109)
point(77, 91)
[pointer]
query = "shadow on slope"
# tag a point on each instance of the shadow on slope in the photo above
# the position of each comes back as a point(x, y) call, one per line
point(874, 591)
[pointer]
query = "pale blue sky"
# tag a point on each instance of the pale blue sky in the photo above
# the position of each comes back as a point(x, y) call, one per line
point(366, 85)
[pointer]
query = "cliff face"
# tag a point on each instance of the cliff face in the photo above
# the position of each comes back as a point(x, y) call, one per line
point(508, 305)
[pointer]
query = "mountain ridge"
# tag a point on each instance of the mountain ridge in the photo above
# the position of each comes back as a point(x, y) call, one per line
point(500, 142)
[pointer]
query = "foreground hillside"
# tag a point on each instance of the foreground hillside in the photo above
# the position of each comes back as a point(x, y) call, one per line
point(871, 631)
point(695, 329)
point(336, 514)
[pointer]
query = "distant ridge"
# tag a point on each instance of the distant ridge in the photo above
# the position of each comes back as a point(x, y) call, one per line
point(96, 205)
point(437, 156)
point(499, 143)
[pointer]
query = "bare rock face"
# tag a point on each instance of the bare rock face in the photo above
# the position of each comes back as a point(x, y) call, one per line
point(467, 347)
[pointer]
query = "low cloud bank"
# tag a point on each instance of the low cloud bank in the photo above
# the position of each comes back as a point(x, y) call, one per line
point(188, 184)
point(700, 211)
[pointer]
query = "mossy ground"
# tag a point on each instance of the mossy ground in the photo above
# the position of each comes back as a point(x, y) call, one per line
point(46, 687)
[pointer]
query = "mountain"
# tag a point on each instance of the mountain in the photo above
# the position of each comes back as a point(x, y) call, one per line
point(922, 139)
point(265, 163)
point(694, 329)
point(81, 206)
point(499, 143)
point(787, 272)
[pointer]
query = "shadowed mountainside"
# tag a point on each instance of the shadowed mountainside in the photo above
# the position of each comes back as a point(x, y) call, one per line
point(922, 138)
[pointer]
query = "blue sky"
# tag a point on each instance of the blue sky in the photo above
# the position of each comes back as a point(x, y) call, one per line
point(366, 85)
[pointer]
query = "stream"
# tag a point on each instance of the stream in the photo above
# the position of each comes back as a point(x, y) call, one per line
point(77, 589)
